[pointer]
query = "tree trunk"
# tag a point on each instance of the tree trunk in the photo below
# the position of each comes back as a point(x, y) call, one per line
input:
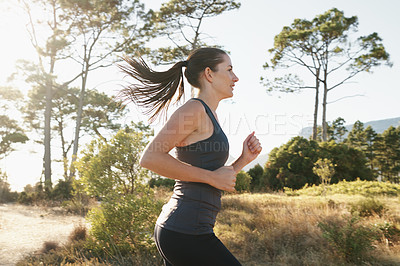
point(324, 123)
point(315, 125)
point(47, 136)
point(79, 121)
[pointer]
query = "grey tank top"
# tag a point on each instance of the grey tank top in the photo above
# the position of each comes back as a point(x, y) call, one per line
point(193, 207)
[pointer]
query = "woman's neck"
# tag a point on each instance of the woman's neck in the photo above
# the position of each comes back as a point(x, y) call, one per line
point(211, 100)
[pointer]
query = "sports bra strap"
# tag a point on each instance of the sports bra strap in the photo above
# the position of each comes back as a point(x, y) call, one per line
point(209, 112)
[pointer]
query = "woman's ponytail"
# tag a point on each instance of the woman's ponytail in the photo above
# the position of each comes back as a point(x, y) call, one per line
point(156, 89)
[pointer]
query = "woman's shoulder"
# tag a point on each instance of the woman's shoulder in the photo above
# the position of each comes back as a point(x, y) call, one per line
point(192, 106)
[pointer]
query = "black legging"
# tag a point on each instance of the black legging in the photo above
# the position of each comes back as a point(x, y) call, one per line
point(191, 250)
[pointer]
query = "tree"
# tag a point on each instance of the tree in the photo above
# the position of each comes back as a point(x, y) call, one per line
point(388, 154)
point(291, 165)
point(98, 30)
point(180, 22)
point(113, 166)
point(370, 147)
point(324, 168)
point(337, 130)
point(324, 49)
point(99, 113)
point(10, 130)
point(257, 181)
point(51, 25)
point(243, 181)
point(123, 223)
point(356, 137)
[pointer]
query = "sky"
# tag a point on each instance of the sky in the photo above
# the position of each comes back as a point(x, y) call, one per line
point(248, 34)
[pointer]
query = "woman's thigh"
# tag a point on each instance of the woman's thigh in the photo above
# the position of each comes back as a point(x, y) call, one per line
point(182, 249)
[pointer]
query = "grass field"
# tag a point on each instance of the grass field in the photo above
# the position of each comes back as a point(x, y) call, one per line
point(350, 223)
point(276, 229)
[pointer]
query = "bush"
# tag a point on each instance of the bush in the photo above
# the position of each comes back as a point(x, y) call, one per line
point(350, 241)
point(124, 224)
point(5, 192)
point(389, 232)
point(62, 191)
point(358, 187)
point(367, 207)
point(243, 181)
point(162, 182)
point(78, 234)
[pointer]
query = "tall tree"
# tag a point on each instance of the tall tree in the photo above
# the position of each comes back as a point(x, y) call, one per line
point(388, 157)
point(180, 22)
point(47, 34)
point(356, 137)
point(337, 130)
point(99, 113)
point(99, 29)
point(370, 150)
point(324, 48)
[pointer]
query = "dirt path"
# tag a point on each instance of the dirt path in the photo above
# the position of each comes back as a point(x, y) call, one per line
point(24, 229)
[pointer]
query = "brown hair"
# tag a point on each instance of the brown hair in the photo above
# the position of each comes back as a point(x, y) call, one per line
point(156, 89)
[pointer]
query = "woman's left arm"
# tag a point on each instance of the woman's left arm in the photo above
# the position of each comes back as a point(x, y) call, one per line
point(251, 149)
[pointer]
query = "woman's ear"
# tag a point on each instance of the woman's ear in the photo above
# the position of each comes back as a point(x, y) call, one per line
point(208, 74)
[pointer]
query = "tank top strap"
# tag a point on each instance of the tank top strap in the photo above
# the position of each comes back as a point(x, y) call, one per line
point(209, 113)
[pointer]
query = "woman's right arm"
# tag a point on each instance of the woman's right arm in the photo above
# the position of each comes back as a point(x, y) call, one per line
point(182, 123)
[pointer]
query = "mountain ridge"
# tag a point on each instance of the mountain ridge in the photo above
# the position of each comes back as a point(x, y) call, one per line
point(378, 125)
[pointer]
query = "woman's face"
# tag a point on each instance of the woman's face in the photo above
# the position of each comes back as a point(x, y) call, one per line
point(224, 79)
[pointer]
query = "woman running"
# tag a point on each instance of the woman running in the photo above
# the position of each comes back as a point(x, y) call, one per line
point(184, 230)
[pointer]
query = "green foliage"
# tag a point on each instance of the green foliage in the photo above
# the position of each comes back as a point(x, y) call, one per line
point(350, 241)
point(358, 187)
point(349, 163)
point(337, 130)
point(324, 169)
point(113, 166)
point(10, 130)
point(387, 155)
point(180, 22)
point(257, 180)
point(367, 207)
point(291, 165)
point(324, 47)
point(124, 224)
point(6, 195)
point(243, 181)
point(62, 191)
point(162, 182)
point(390, 232)
point(124, 221)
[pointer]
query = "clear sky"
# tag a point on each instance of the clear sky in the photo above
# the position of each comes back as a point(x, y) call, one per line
point(247, 34)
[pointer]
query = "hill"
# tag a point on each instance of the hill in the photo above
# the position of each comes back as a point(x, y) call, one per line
point(261, 159)
point(378, 125)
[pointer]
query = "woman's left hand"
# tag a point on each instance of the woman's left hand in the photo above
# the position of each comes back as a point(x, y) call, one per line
point(251, 148)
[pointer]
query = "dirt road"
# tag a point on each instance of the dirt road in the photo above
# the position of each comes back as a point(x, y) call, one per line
point(24, 229)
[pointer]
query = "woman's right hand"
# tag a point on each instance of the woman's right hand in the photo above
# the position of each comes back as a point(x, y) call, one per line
point(224, 178)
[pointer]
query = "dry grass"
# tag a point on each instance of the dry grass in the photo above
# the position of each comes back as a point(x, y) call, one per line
point(274, 229)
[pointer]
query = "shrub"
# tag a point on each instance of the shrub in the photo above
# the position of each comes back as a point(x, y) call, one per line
point(5, 192)
point(49, 246)
point(350, 241)
point(25, 198)
point(162, 182)
point(243, 181)
point(78, 234)
point(62, 191)
point(123, 224)
point(367, 207)
point(389, 232)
